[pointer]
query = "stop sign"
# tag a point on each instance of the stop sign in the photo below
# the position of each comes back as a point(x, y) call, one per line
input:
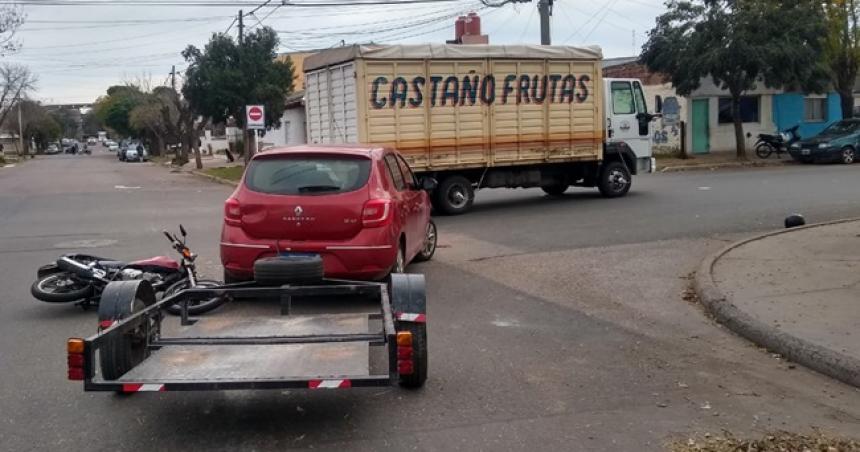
point(255, 117)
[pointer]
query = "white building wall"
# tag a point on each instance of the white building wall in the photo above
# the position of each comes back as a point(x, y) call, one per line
point(722, 136)
point(291, 132)
point(666, 130)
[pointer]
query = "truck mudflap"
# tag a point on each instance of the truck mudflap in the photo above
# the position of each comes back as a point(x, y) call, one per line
point(328, 350)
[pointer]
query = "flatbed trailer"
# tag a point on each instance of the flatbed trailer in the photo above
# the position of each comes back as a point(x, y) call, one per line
point(132, 353)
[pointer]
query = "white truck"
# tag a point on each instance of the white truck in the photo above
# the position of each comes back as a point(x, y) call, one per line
point(479, 116)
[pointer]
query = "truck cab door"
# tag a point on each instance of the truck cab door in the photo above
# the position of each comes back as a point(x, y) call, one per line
point(627, 115)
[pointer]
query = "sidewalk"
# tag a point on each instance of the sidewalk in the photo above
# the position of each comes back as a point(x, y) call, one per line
point(795, 292)
point(716, 160)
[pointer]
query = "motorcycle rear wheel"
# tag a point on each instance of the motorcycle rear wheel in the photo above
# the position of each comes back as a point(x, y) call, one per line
point(195, 307)
point(764, 150)
point(60, 287)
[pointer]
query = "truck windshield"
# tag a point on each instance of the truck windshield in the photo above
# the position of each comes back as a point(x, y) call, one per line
point(307, 175)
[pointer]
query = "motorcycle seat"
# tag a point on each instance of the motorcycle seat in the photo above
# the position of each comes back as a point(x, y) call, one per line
point(111, 264)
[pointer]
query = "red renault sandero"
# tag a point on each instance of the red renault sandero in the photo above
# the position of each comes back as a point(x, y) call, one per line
point(360, 208)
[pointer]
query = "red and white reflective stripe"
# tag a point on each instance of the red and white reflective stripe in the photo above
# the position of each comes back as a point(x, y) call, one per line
point(407, 317)
point(135, 387)
point(329, 384)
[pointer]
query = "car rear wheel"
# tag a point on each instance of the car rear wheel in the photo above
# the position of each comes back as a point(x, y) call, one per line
point(400, 260)
point(429, 244)
point(848, 155)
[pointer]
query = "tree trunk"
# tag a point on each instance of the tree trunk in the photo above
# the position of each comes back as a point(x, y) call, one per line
point(846, 101)
point(740, 143)
point(159, 145)
point(246, 141)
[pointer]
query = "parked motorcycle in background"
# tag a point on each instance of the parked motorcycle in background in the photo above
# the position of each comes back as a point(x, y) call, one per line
point(80, 278)
point(767, 144)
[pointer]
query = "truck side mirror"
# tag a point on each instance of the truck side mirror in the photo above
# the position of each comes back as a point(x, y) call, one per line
point(658, 104)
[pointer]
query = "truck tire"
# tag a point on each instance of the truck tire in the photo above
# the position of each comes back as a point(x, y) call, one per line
point(290, 269)
point(419, 355)
point(454, 195)
point(555, 190)
point(615, 180)
point(121, 352)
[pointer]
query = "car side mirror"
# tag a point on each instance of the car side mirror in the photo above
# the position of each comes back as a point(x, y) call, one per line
point(429, 183)
point(658, 103)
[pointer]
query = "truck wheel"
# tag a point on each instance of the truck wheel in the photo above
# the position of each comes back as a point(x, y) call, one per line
point(454, 195)
point(555, 190)
point(615, 180)
point(419, 355)
point(289, 269)
point(121, 352)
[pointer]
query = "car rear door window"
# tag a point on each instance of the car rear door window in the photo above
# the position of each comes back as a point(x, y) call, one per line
point(408, 176)
point(304, 175)
point(394, 172)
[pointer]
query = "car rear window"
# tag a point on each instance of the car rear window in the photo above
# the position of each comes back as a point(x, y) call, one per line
point(307, 176)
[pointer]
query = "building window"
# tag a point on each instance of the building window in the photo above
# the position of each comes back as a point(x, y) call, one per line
point(815, 109)
point(749, 109)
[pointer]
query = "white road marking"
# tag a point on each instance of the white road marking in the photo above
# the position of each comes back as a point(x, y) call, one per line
point(704, 188)
point(123, 187)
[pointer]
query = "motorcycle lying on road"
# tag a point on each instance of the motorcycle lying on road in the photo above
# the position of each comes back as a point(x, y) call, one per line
point(767, 144)
point(80, 278)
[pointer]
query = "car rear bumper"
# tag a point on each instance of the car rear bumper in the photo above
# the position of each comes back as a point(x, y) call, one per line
point(368, 256)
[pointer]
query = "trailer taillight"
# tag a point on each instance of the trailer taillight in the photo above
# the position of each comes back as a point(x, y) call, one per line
point(404, 353)
point(75, 348)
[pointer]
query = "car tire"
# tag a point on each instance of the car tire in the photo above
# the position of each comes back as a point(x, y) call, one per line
point(615, 180)
point(289, 269)
point(399, 260)
point(555, 190)
point(430, 239)
point(454, 195)
point(847, 155)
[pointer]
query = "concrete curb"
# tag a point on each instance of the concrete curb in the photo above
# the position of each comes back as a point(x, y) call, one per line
point(711, 166)
point(824, 360)
point(212, 178)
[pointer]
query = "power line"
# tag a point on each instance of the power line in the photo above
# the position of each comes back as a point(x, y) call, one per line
point(210, 3)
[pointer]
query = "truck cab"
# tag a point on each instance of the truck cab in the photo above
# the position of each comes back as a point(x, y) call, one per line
point(628, 122)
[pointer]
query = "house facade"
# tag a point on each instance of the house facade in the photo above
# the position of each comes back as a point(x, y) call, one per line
point(763, 110)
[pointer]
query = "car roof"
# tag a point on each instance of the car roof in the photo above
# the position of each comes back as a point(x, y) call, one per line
point(334, 149)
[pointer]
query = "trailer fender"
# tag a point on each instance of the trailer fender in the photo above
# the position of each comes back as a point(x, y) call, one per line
point(118, 298)
point(122, 351)
point(620, 151)
point(408, 298)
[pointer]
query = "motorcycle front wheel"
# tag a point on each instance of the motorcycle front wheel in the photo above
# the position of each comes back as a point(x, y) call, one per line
point(763, 150)
point(60, 287)
point(195, 307)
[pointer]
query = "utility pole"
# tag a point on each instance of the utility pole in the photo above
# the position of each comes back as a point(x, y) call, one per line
point(545, 10)
point(20, 129)
point(245, 141)
point(173, 77)
point(241, 28)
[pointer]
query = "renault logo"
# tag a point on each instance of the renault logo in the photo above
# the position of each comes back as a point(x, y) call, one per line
point(298, 211)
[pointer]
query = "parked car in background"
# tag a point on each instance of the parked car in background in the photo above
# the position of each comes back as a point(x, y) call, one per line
point(838, 143)
point(134, 152)
point(53, 148)
point(360, 208)
point(91, 141)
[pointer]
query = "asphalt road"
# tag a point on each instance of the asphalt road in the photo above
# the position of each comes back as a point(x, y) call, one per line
point(554, 323)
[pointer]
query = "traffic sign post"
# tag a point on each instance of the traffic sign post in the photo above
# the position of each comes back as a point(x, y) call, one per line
point(255, 116)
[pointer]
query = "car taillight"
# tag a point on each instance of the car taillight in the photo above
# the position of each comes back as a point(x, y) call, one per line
point(75, 348)
point(376, 213)
point(233, 212)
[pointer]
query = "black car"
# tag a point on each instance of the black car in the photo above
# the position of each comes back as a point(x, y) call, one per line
point(838, 143)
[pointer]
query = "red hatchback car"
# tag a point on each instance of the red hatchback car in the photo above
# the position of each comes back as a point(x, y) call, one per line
point(360, 208)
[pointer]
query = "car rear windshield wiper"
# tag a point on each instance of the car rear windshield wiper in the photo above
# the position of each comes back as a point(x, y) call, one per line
point(318, 188)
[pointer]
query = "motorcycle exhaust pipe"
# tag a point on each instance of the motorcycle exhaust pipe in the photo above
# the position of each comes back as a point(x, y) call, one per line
point(72, 266)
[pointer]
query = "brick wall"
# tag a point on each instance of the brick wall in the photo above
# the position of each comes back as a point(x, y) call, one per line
point(635, 70)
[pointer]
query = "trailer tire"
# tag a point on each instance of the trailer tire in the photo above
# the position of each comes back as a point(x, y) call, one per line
point(615, 180)
point(454, 195)
point(555, 190)
point(121, 352)
point(291, 269)
point(419, 355)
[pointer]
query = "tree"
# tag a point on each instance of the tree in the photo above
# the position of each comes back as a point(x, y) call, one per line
point(114, 109)
point(739, 45)
point(157, 116)
point(67, 121)
point(90, 123)
point(39, 124)
point(16, 82)
point(225, 76)
point(842, 50)
point(11, 19)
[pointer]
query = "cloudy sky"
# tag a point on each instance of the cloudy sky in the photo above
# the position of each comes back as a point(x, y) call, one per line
point(78, 48)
